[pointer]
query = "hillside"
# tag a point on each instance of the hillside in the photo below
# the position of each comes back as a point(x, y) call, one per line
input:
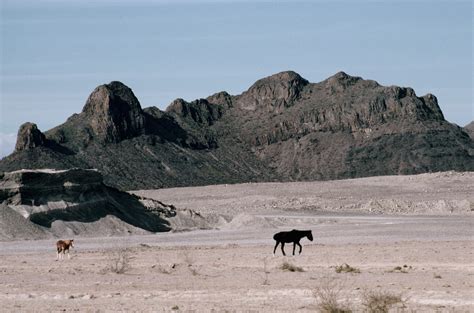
point(283, 128)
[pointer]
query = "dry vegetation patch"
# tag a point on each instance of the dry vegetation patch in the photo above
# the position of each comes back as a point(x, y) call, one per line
point(119, 262)
point(329, 298)
point(346, 268)
point(379, 301)
point(287, 266)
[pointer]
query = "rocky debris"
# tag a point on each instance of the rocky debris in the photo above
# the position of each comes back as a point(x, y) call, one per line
point(282, 128)
point(29, 137)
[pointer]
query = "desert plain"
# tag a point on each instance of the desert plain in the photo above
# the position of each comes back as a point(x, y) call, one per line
point(407, 238)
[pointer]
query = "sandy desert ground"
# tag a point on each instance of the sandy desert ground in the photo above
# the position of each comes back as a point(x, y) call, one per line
point(420, 250)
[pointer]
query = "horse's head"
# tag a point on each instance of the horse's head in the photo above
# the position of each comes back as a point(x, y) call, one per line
point(71, 243)
point(310, 235)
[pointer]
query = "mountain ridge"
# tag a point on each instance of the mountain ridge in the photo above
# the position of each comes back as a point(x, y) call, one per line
point(282, 128)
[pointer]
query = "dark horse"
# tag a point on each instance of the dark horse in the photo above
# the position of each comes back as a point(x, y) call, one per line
point(293, 236)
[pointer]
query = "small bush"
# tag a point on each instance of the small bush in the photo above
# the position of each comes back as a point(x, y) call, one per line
point(328, 298)
point(379, 301)
point(119, 263)
point(286, 266)
point(346, 268)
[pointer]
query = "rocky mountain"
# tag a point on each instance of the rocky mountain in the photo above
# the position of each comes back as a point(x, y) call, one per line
point(38, 204)
point(282, 128)
point(469, 129)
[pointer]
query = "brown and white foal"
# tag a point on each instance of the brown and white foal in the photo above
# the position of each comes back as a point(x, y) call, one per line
point(62, 246)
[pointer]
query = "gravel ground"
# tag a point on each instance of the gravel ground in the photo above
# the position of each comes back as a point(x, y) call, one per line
point(420, 252)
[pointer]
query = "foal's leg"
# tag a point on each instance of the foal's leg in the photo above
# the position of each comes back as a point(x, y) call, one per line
point(275, 247)
point(294, 246)
point(301, 248)
point(282, 246)
point(68, 255)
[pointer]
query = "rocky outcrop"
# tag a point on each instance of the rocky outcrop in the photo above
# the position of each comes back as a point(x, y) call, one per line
point(199, 111)
point(73, 201)
point(273, 93)
point(282, 128)
point(29, 137)
point(38, 187)
point(222, 99)
point(114, 113)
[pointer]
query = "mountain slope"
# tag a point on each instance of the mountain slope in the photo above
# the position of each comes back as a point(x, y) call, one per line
point(282, 128)
point(469, 129)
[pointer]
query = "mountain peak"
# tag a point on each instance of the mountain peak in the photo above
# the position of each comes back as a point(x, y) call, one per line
point(341, 75)
point(342, 79)
point(114, 112)
point(114, 96)
point(275, 91)
point(29, 136)
point(285, 77)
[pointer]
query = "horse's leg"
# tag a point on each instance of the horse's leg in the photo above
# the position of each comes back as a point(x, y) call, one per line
point(68, 255)
point(301, 248)
point(274, 250)
point(283, 246)
point(294, 246)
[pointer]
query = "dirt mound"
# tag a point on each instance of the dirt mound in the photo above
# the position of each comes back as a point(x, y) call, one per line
point(13, 226)
point(108, 225)
point(248, 221)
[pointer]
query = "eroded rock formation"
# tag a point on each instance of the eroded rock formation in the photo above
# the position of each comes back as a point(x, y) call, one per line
point(77, 202)
point(29, 137)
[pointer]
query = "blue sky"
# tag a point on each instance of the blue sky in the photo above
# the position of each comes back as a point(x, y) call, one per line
point(54, 53)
